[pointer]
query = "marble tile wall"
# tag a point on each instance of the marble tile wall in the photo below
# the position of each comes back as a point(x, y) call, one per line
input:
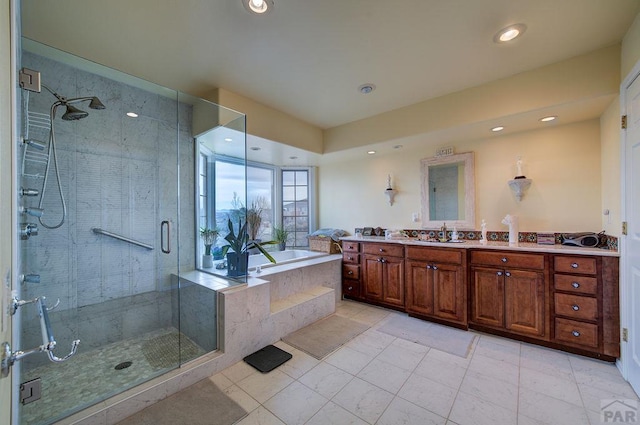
point(119, 174)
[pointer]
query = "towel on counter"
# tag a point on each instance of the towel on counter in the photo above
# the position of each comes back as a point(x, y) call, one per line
point(334, 234)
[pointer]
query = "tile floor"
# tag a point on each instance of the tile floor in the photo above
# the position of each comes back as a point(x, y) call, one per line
point(380, 379)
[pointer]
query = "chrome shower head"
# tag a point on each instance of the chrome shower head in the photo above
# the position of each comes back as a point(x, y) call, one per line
point(96, 104)
point(74, 113)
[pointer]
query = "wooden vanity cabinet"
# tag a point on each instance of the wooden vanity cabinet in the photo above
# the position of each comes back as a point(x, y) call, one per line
point(436, 284)
point(351, 281)
point(383, 274)
point(585, 309)
point(508, 292)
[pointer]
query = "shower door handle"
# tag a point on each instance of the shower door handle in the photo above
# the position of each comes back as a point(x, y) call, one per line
point(163, 225)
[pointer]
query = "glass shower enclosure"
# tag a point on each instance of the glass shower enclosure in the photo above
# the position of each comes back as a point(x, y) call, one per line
point(107, 170)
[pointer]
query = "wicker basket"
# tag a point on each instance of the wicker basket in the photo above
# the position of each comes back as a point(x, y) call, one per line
point(324, 244)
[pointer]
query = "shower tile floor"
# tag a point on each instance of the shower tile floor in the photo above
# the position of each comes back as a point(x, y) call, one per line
point(91, 376)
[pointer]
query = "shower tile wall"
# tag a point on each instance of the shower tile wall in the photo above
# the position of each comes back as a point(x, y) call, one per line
point(118, 174)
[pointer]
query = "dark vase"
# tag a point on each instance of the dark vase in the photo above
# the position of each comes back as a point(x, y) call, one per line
point(282, 246)
point(237, 264)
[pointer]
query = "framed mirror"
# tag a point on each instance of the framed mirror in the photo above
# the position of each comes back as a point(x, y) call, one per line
point(448, 191)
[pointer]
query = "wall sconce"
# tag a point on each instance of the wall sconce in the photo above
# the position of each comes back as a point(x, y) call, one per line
point(389, 191)
point(520, 183)
point(519, 186)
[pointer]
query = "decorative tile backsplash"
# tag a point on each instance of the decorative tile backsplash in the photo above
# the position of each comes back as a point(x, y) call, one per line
point(470, 235)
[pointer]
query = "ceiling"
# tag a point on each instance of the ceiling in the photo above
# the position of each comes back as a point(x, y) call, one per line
point(307, 58)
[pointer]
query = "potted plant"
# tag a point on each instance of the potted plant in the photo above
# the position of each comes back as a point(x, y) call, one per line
point(281, 236)
point(253, 216)
point(237, 249)
point(209, 237)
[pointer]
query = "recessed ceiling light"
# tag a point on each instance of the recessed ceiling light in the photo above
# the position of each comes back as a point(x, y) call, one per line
point(132, 114)
point(397, 147)
point(228, 139)
point(549, 118)
point(371, 152)
point(258, 7)
point(509, 33)
point(366, 88)
point(498, 128)
point(254, 148)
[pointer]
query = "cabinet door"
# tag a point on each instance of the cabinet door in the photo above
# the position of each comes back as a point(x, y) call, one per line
point(419, 284)
point(393, 281)
point(487, 307)
point(373, 277)
point(448, 292)
point(524, 302)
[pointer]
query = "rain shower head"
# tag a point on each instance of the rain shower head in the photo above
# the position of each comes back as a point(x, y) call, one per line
point(96, 104)
point(74, 113)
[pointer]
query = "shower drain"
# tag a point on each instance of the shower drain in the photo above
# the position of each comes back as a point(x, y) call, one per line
point(123, 365)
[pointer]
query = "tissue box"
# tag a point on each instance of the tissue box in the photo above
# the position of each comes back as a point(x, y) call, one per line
point(546, 238)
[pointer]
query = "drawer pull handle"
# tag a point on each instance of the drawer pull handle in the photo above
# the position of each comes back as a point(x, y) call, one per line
point(575, 285)
point(350, 272)
point(499, 273)
point(504, 259)
point(574, 265)
point(428, 267)
point(381, 249)
point(575, 333)
point(350, 258)
point(435, 267)
point(350, 288)
point(507, 274)
point(350, 246)
point(575, 307)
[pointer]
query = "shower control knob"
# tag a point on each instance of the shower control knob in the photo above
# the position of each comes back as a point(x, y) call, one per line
point(28, 192)
point(27, 230)
point(30, 278)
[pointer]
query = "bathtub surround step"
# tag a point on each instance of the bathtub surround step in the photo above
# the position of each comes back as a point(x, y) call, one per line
point(299, 310)
point(307, 295)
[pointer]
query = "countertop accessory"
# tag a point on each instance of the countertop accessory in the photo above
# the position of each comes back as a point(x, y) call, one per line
point(520, 183)
point(512, 222)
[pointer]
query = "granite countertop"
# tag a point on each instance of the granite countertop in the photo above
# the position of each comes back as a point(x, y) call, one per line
point(496, 245)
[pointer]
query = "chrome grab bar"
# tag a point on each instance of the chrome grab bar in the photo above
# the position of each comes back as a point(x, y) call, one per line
point(99, 231)
point(48, 341)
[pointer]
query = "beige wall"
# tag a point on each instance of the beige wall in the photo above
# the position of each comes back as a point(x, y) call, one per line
point(573, 80)
point(610, 166)
point(563, 161)
point(268, 123)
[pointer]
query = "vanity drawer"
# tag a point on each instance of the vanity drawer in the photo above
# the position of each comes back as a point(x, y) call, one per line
point(350, 271)
point(585, 265)
point(392, 250)
point(350, 257)
point(508, 259)
point(351, 288)
point(348, 246)
point(435, 255)
point(576, 332)
point(577, 284)
point(576, 306)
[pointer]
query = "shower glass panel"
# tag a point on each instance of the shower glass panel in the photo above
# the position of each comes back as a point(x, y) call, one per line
point(108, 190)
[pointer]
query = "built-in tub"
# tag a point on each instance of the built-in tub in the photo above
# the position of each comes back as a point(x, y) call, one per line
point(282, 257)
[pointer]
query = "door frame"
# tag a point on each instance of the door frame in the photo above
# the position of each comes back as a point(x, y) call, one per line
point(625, 290)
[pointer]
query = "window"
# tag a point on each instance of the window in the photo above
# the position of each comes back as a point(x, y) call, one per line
point(296, 205)
point(222, 193)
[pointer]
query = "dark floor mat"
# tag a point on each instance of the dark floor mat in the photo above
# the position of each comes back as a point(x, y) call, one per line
point(268, 358)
